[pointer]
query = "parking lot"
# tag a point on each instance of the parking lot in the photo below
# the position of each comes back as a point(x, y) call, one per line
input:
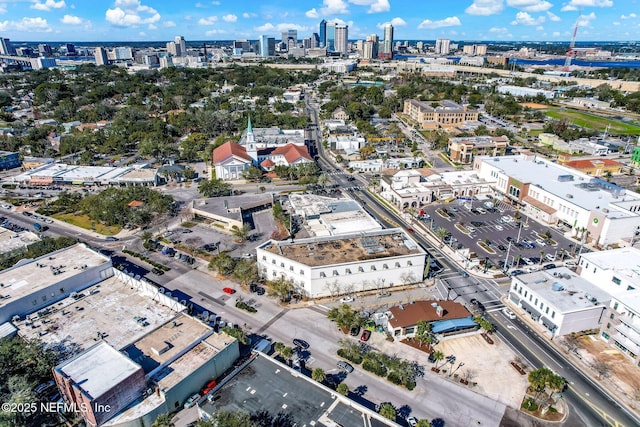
point(494, 233)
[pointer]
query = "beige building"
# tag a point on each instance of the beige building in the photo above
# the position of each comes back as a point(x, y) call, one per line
point(464, 149)
point(437, 114)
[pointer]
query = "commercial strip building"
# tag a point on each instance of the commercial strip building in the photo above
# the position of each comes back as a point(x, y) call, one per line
point(526, 91)
point(9, 160)
point(327, 216)
point(334, 265)
point(465, 149)
point(415, 188)
point(63, 174)
point(446, 114)
point(231, 211)
point(559, 300)
point(596, 210)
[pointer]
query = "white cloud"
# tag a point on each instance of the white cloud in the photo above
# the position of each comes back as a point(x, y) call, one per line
point(312, 13)
point(451, 21)
point(152, 27)
point(556, 34)
point(248, 15)
point(216, 3)
point(330, 7)
point(169, 24)
point(539, 28)
point(396, 22)
point(128, 13)
point(265, 28)
point(48, 5)
point(629, 16)
point(3, 8)
point(214, 32)
point(71, 20)
point(26, 24)
point(616, 23)
point(523, 18)
point(585, 20)
point(209, 20)
point(553, 17)
point(530, 5)
point(200, 5)
point(375, 6)
point(485, 7)
point(576, 4)
point(284, 26)
point(230, 18)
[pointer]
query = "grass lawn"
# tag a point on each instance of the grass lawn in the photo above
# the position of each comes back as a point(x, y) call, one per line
point(85, 222)
point(591, 121)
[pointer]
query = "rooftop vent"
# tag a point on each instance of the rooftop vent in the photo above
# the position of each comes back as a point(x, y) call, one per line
point(556, 286)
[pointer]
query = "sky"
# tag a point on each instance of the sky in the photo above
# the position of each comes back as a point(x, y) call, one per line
point(474, 20)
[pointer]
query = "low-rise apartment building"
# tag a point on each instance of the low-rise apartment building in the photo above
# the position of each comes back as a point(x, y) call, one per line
point(465, 149)
point(438, 114)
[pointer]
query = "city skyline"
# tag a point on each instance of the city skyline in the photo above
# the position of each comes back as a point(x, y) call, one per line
point(142, 20)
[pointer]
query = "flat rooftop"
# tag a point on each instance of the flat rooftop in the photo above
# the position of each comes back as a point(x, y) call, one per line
point(98, 369)
point(231, 206)
point(32, 276)
point(349, 248)
point(110, 310)
point(267, 385)
point(564, 289)
point(566, 183)
point(10, 240)
point(165, 342)
point(624, 261)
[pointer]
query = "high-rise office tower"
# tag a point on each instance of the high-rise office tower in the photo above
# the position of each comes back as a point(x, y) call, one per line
point(330, 40)
point(290, 37)
point(5, 47)
point(387, 46)
point(443, 46)
point(370, 47)
point(315, 40)
point(172, 48)
point(101, 56)
point(323, 33)
point(45, 50)
point(267, 46)
point(70, 48)
point(122, 53)
point(181, 46)
point(342, 38)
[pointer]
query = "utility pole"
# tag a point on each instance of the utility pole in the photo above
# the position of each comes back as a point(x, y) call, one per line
point(506, 258)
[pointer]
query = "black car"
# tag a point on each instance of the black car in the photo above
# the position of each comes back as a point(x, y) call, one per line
point(344, 366)
point(509, 239)
point(548, 266)
point(355, 330)
point(502, 248)
point(477, 223)
point(260, 290)
point(300, 343)
point(517, 272)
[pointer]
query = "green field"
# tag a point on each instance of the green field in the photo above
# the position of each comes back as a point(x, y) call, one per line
point(591, 121)
point(85, 222)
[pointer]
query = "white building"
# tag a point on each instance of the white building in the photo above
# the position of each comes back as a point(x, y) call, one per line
point(339, 66)
point(34, 284)
point(329, 266)
point(526, 91)
point(350, 144)
point(366, 165)
point(413, 189)
point(601, 212)
point(559, 300)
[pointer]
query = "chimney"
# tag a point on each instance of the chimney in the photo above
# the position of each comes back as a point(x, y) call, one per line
point(439, 311)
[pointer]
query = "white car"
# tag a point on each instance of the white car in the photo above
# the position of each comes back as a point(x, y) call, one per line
point(6, 206)
point(470, 229)
point(499, 227)
point(412, 422)
point(541, 242)
point(510, 314)
point(527, 261)
point(532, 269)
point(346, 299)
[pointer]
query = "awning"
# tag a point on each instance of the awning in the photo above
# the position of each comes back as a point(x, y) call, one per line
point(530, 309)
point(548, 324)
point(443, 326)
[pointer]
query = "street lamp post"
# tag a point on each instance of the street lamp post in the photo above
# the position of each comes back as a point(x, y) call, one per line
point(460, 365)
point(506, 258)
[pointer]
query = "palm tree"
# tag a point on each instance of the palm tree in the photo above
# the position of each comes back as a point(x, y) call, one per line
point(437, 356)
point(441, 233)
point(343, 389)
point(287, 353)
point(241, 233)
point(541, 257)
point(388, 411)
point(318, 375)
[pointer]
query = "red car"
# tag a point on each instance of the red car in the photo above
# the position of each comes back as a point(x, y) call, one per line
point(210, 386)
point(229, 291)
point(366, 334)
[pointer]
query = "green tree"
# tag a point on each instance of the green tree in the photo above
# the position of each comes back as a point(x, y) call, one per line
point(280, 288)
point(163, 420)
point(252, 174)
point(241, 233)
point(223, 263)
point(286, 353)
point(237, 334)
point(388, 411)
point(318, 375)
point(343, 389)
point(437, 356)
point(214, 188)
point(226, 418)
point(441, 233)
point(423, 332)
point(246, 272)
point(423, 423)
point(345, 317)
point(193, 145)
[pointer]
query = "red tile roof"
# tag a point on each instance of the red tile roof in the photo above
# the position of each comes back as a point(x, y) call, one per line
point(411, 314)
point(267, 163)
point(590, 163)
point(229, 149)
point(292, 152)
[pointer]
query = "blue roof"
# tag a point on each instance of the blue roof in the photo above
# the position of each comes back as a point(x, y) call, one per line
point(452, 325)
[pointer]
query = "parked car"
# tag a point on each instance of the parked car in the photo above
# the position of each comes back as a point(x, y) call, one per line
point(527, 261)
point(355, 330)
point(517, 272)
point(209, 387)
point(502, 248)
point(499, 227)
point(229, 291)
point(344, 366)
point(412, 421)
point(510, 314)
point(366, 334)
point(541, 242)
point(300, 343)
point(192, 400)
point(549, 266)
point(346, 299)
point(550, 257)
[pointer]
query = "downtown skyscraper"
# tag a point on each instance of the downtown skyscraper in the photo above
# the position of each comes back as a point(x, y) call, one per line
point(387, 45)
point(341, 38)
point(323, 33)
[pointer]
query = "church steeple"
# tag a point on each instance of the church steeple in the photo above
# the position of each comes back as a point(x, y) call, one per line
point(250, 142)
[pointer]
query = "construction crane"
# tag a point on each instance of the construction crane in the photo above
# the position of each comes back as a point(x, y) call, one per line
point(567, 61)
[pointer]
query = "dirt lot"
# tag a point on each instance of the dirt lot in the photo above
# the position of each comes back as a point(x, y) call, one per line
point(623, 376)
point(534, 105)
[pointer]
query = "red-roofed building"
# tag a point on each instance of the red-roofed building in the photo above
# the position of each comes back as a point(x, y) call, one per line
point(290, 154)
point(594, 167)
point(446, 317)
point(230, 159)
point(267, 165)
